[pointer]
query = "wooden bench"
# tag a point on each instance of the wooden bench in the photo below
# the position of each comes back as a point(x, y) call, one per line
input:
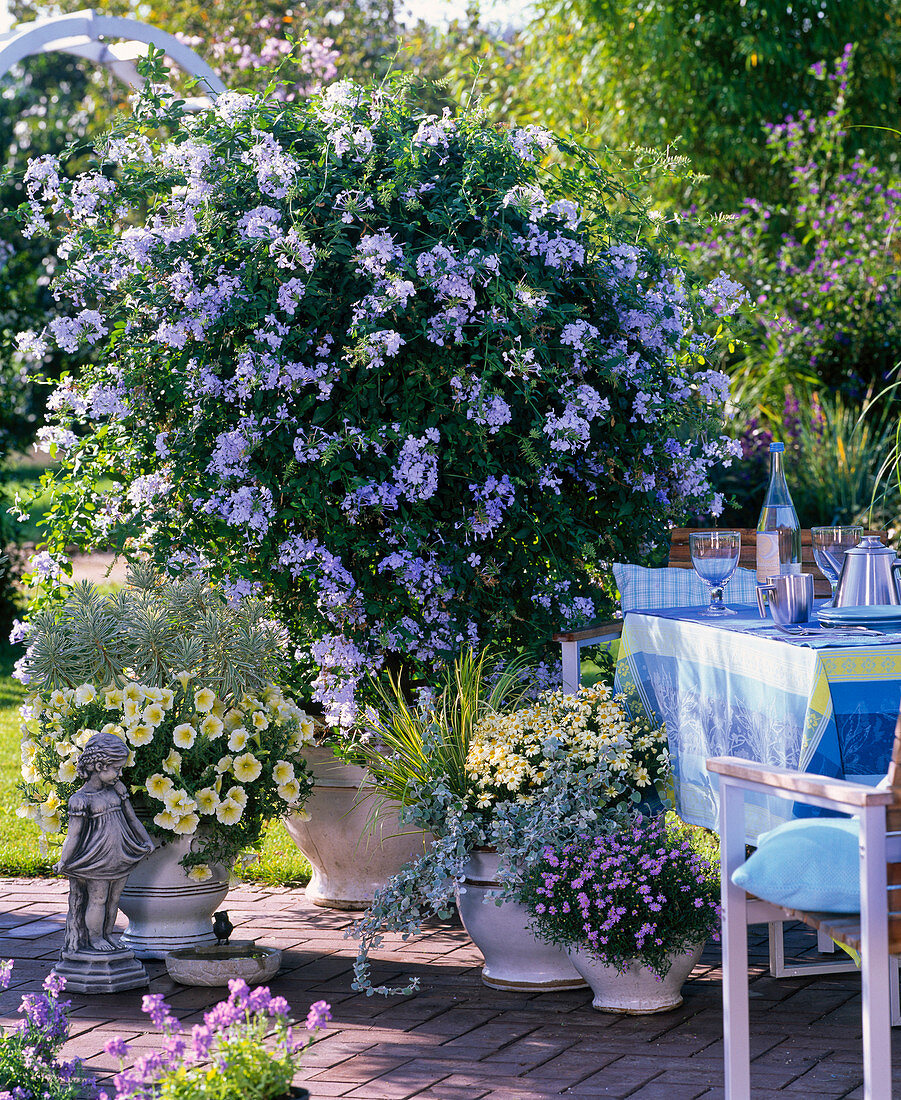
point(572, 641)
point(875, 933)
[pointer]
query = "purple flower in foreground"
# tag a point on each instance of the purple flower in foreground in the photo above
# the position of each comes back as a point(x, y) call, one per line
point(319, 1015)
point(117, 1047)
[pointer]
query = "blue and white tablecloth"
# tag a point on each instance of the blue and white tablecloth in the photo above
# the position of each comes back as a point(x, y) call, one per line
point(736, 687)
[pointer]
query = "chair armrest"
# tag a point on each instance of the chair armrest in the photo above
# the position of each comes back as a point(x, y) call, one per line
point(612, 629)
point(840, 791)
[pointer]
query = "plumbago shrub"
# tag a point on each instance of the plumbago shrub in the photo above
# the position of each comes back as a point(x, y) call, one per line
point(395, 368)
point(641, 893)
point(538, 775)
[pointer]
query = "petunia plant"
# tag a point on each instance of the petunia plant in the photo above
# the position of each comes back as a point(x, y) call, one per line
point(407, 375)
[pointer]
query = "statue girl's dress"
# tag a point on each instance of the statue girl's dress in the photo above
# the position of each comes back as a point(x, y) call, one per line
point(104, 842)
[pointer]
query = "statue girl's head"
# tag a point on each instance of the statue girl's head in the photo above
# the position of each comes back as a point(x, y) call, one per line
point(103, 750)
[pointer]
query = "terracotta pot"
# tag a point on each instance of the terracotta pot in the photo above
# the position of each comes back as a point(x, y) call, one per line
point(350, 855)
point(638, 991)
point(165, 908)
point(514, 957)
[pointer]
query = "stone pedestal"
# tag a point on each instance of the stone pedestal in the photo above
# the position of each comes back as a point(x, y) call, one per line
point(101, 972)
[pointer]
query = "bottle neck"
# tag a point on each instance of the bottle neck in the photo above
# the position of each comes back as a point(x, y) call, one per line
point(777, 490)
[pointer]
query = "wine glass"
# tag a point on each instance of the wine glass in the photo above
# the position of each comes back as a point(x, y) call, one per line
point(714, 555)
point(829, 546)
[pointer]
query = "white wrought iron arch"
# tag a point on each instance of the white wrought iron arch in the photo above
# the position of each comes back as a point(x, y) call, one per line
point(87, 33)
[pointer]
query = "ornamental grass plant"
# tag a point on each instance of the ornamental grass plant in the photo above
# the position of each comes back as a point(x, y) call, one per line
point(640, 893)
point(215, 748)
point(407, 374)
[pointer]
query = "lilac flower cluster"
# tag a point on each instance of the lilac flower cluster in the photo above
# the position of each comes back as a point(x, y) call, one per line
point(639, 893)
point(348, 391)
point(249, 1038)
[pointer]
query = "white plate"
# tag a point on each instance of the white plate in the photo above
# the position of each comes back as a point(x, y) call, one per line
point(879, 616)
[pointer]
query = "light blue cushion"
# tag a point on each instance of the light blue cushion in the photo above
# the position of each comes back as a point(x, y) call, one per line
point(812, 864)
point(642, 589)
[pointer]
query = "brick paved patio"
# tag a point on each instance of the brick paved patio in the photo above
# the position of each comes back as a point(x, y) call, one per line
point(457, 1039)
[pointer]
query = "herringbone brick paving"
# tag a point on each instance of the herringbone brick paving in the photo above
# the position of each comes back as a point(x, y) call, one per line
point(457, 1039)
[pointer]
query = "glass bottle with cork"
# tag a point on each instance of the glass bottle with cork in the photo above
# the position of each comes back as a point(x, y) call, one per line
point(778, 529)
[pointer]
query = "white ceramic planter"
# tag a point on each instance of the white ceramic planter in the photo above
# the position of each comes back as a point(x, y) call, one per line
point(514, 957)
point(165, 908)
point(350, 855)
point(637, 992)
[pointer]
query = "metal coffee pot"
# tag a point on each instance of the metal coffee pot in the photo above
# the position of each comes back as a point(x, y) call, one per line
point(869, 575)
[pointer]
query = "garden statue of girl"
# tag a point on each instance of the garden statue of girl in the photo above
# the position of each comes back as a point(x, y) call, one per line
point(105, 841)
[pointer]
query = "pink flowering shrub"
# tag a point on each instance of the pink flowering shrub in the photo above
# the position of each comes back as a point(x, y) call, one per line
point(641, 893)
point(398, 373)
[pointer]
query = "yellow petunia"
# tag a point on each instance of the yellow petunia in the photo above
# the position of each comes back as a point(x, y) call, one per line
point(211, 726)
point(187, 825)
point(159, 785)
point(237, 794)
point(85, 693)
point(112, 698)
point(172, 763)
point(153, 715)
point(259, 720)
point(229, 812)
point(184, 678)
point(283, 772)
point(290, 791)
point(65, 773)
point(165, 819)
point(247, 768)
point(184, 735)
point(200, 873)
point(167, 698)
point(224, 764)
point(207, 800)
point(131, 708)
point(140, 734)
point(204, 699)
point(133, 692)
point(238, 739)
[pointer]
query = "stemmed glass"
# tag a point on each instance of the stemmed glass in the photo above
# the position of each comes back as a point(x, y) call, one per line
point(714, 555)
point(829, 546)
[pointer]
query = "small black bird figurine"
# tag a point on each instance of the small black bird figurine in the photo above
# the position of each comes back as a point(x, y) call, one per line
point(222, 927)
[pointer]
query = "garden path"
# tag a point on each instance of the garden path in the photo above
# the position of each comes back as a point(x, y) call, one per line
point(458, 1040)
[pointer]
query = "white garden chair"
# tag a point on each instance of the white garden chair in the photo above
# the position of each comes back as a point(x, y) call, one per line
point(875, 932)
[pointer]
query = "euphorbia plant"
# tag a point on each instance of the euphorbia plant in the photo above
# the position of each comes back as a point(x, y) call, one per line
point(405, 372)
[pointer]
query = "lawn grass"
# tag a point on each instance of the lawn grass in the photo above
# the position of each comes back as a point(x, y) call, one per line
point(280, 863)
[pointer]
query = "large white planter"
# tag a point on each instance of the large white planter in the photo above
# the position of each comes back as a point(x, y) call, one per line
point(166, 909)
point(514, 957)
point(351, 855)
point(638, 991)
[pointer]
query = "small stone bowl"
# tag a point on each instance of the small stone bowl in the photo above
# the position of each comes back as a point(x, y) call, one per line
point(214, 964)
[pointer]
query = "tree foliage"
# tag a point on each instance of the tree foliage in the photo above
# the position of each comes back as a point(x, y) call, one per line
point(702, 73)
